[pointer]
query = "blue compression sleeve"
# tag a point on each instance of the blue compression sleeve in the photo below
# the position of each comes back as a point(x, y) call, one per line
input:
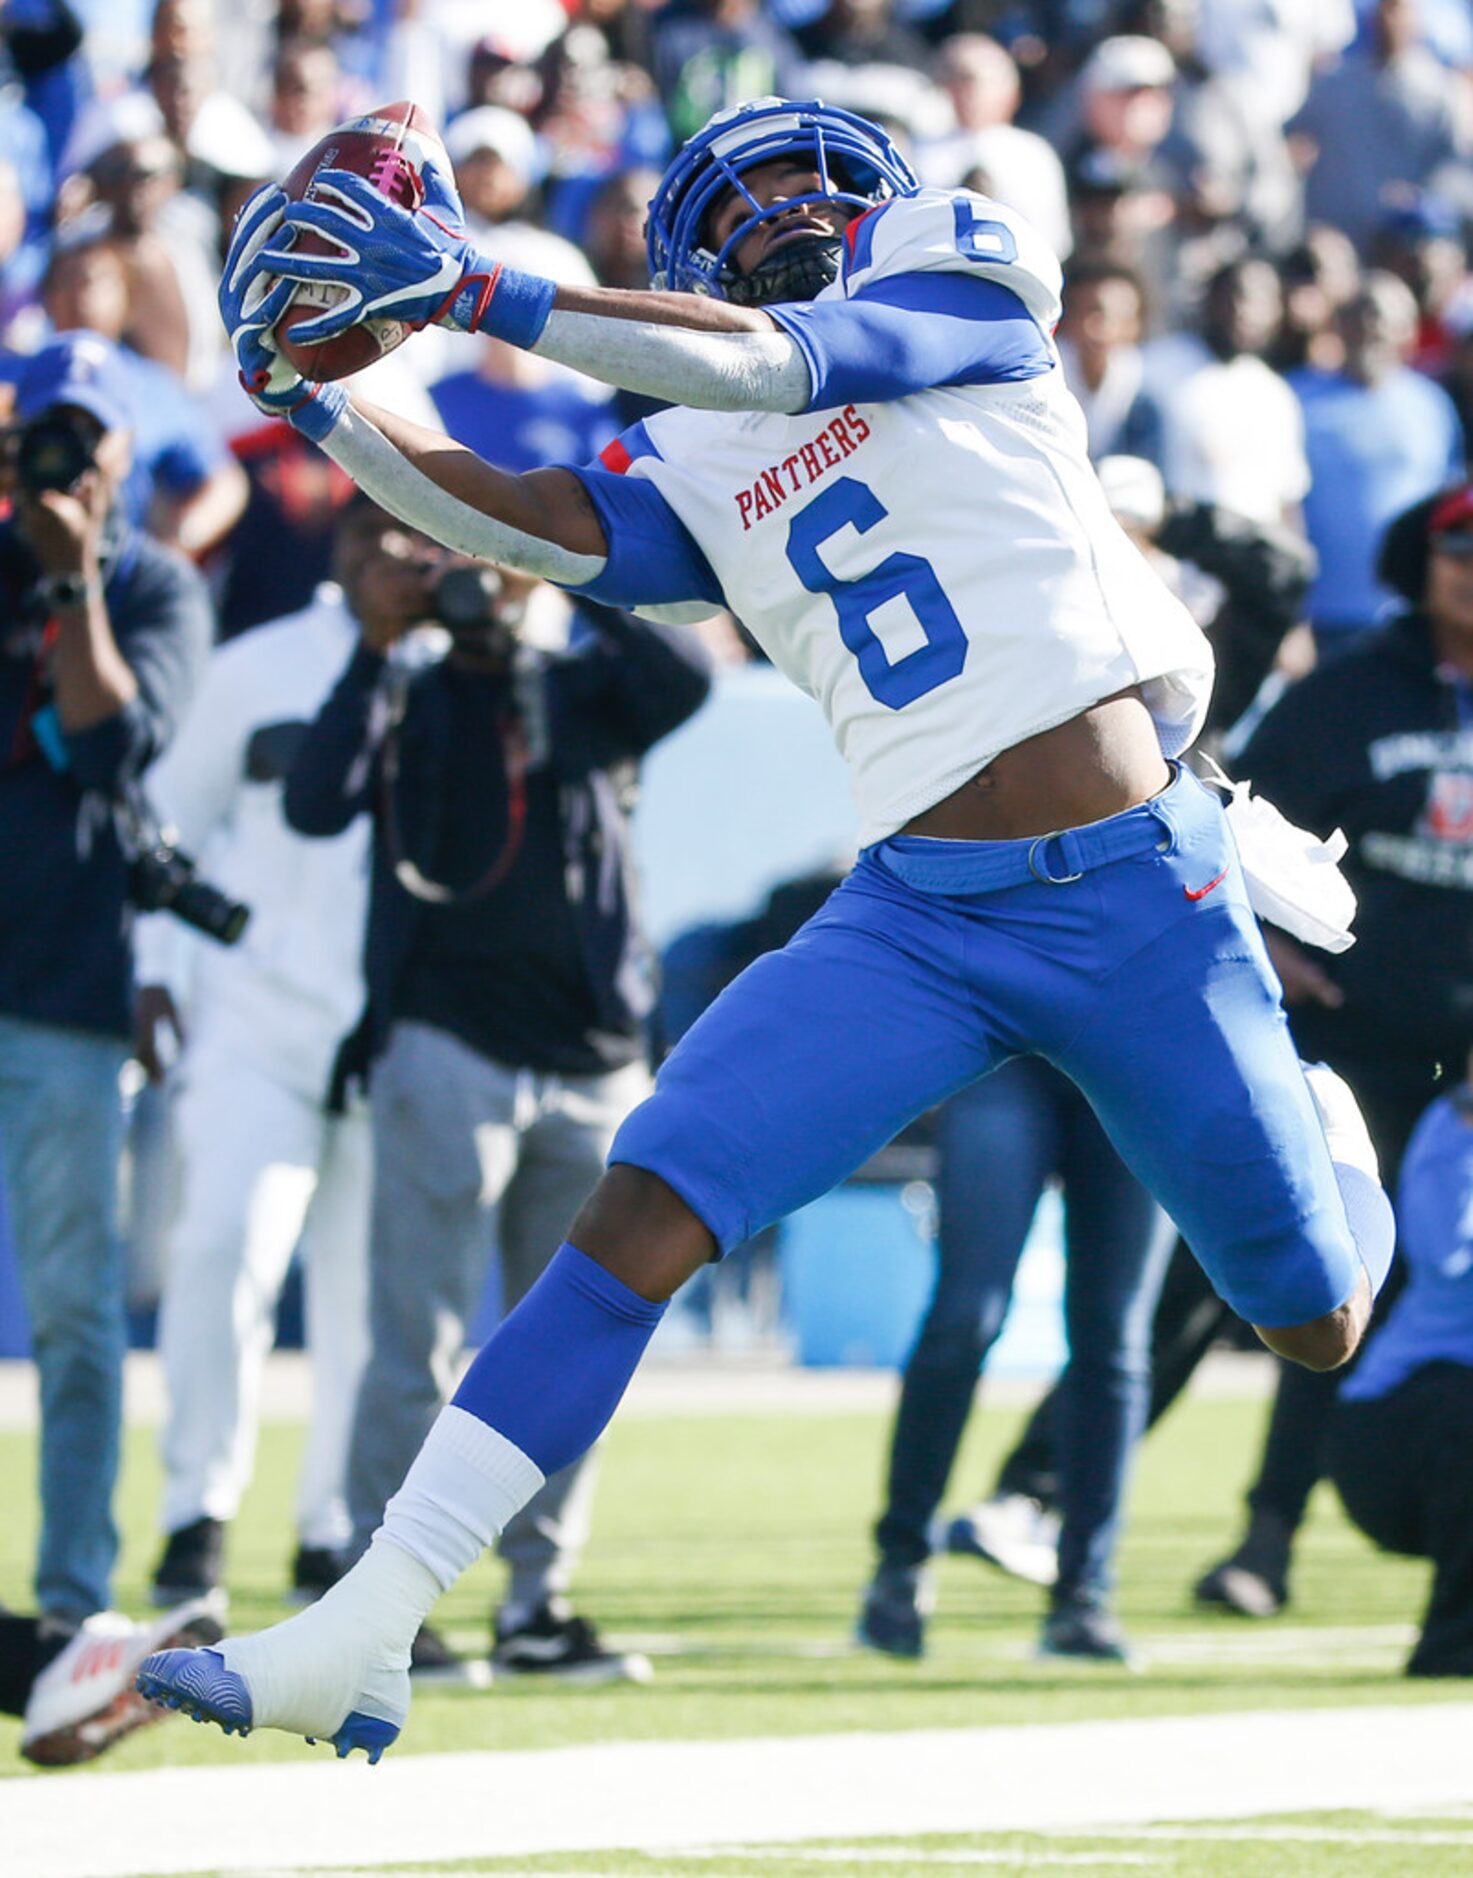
point(555, 1370)
point(913, 332)
point(653, 559)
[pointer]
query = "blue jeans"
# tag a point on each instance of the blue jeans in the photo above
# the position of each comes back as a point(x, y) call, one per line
point(61, 1125)
point(1001, 1140)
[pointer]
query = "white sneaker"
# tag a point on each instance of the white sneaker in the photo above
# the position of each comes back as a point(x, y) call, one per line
point(1346, 1134)
point(1016, 1533)
point(84, 1700)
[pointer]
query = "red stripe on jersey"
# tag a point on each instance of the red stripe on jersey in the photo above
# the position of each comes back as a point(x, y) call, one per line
point(852, 231)
point(615, 457)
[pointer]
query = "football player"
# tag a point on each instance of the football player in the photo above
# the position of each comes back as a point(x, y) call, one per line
point(875, 464)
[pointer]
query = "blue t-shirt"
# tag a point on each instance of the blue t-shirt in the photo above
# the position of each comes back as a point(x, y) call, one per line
point(1432, 1320)
point(1373, 450)
point(176, 447)
point(23, 145)
point(520, 427)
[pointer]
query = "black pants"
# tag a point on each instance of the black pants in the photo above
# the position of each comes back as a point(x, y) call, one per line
point(1190, 1316)
point(1403, 1465)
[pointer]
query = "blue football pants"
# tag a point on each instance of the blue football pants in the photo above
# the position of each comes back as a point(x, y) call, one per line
point(1125, 954)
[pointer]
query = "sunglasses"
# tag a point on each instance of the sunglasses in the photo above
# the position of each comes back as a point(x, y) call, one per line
point(1456, 542)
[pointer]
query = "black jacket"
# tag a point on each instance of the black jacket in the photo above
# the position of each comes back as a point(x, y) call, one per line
point(64, 914)
point(1380, 743)
point(1266, 575)
point(588, 713)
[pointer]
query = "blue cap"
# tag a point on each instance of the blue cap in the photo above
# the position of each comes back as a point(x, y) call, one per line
point(79, 368)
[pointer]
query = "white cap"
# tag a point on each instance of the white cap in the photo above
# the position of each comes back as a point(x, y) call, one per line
point(537, 251)
point(1128, 62)
point(228, 137)
point(490, 127)
point(1134, 490)
point(893, 93)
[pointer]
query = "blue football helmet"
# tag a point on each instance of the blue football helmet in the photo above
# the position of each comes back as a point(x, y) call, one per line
point(856, 164)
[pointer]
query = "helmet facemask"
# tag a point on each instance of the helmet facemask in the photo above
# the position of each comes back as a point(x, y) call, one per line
point(799, 271)
point(855, 163)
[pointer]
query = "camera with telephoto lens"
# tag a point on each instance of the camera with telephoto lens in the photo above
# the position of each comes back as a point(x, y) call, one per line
point(163, 880)
point(54, 450)
point(466, 601)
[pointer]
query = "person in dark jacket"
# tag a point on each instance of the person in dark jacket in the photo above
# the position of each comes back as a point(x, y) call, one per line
point(103, 634)
point(1382, 748)
point(1264, 572)
point(1379, 743)
point(508, 992)
point(1245, 582)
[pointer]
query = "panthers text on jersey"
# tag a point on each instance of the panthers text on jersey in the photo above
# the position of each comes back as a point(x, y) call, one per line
point(926, 550)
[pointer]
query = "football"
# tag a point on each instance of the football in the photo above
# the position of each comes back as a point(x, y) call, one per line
point(388, 146)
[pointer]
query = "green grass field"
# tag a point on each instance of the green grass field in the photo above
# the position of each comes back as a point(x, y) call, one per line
point(734, 1548)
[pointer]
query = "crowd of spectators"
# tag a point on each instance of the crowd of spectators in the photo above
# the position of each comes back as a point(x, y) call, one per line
point(1232, 190)
point(1264, 214)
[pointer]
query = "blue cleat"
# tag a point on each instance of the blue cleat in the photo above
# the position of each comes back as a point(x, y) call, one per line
point(366, 1732)
point(202, 1684)
point(197, 1682)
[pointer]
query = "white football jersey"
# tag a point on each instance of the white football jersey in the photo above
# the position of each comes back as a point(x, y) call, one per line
point(939, 570)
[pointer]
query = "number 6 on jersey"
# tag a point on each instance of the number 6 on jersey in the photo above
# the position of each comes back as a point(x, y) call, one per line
point(851, 504)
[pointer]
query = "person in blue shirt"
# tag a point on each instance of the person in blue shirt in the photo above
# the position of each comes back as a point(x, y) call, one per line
point(23, 145)
point(520, 413)
point(1378, 437)
point(102, 638)
point(1401, 1442)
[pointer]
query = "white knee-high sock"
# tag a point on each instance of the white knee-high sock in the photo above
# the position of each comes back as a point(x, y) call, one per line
point(465, 1484)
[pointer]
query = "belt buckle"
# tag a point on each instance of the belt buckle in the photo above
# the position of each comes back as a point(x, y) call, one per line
point(1039, 874)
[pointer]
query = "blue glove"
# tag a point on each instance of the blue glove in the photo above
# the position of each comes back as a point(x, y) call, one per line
point(417, 266)
point(252, 299)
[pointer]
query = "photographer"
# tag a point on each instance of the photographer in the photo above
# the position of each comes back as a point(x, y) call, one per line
point(102, 634)
point(508, 991)
point(1245, 582)
point(270, 1148)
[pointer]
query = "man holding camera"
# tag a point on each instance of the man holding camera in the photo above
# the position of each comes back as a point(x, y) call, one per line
point(271, 1147)
point(102, 635)
point(508, 989)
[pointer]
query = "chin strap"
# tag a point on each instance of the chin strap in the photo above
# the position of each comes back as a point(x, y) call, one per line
point(799, 271)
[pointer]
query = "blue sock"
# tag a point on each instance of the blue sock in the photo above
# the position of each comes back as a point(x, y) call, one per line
point(1372, 1222)
point(557, 1367)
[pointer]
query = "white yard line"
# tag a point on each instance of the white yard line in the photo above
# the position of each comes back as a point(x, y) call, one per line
point(842, 1855)
point(1277, 1834)
point(887, 1855)
point(659, 1796)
